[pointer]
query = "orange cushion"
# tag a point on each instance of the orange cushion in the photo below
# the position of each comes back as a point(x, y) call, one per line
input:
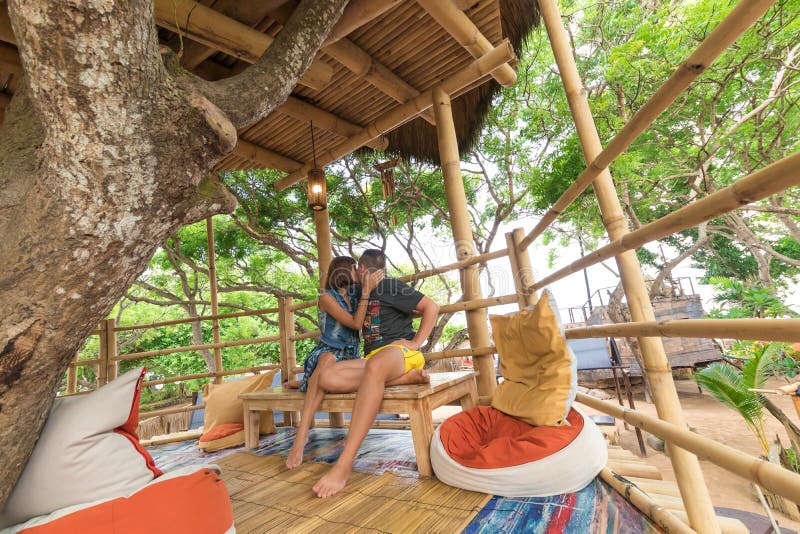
point(183, 505)
point(222, 437)
point(223, 405)
point(486, 438)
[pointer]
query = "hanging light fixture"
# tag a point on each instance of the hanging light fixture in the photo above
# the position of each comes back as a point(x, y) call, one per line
point(317, 186)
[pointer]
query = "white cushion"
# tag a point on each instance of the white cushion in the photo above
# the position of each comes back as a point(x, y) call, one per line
point(564, 471)
point(83, 454)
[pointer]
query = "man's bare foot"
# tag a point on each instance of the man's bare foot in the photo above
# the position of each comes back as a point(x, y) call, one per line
point(414, 376)
point(292, 384)
point(332, 482)
point(295, 457)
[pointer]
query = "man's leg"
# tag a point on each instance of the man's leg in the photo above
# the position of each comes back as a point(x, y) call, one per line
point(384, 366)
point(312, 401)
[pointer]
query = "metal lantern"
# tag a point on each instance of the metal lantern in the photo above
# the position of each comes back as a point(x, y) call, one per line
point(317, 186)
point(317, 198)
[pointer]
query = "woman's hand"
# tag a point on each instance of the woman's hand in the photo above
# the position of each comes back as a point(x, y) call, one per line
point(370, 280)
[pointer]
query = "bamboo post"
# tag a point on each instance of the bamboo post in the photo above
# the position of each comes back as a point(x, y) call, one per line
point(212, 283)
point(111, 351)
point(72, 375)
point(694, 492)
point(322, 225)
point(462, 235)
point(521, 269)
point(102, 365)
point(286, 320)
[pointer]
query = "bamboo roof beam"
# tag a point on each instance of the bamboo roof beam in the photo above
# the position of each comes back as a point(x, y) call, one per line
point(734, 25)
point(356, 14)
point(215, 30)
point(405, 112)
point(752, 329)
point(266, 158)
point(761, 184)
point(363, 65)
point(463, 30)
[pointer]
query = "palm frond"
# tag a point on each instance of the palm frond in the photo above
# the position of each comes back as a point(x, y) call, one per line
point(726, 384)
point(756, 371)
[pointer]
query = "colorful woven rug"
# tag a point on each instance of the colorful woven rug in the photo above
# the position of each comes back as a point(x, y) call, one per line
point(596, 508)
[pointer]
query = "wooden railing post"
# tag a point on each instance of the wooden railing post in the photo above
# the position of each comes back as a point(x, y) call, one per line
point(521, 269)
point(102, 366)
point(286, 325)
point(212, 282)
point(112, 365)
point(694, 492)
point(477, 326)
point(72, 375)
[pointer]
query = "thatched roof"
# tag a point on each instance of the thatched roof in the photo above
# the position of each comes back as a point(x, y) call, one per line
point(404, 44)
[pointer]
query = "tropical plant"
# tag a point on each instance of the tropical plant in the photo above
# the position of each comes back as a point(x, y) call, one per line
point(731, 387)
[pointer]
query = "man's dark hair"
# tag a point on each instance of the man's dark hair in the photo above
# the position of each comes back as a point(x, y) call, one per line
point(373, 259)
point(339, 272)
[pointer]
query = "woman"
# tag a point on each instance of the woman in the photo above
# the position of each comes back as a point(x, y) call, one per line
point(341, 314)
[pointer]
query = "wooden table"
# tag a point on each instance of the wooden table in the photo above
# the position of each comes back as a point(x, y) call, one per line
point(418, 401)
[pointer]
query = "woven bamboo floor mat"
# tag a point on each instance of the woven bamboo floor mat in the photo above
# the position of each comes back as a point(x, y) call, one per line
point(267, 497)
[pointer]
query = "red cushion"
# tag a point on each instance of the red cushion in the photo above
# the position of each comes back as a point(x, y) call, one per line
point(221, 431)
point(183, 505)
point(485, 438)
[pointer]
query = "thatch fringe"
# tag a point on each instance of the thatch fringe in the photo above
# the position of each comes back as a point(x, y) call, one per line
point(417, 139)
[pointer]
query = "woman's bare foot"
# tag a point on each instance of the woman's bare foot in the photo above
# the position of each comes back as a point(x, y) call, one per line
point(332, 482)
point(292, 384)
point(414, 376)
point(295, 457)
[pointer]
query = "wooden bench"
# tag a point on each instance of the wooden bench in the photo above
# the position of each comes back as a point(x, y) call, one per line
point(418, 401)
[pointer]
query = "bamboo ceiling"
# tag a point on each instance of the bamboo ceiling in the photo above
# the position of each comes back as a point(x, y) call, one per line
point(381, 54)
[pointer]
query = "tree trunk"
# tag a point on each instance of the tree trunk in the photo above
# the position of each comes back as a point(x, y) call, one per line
point(105, 151)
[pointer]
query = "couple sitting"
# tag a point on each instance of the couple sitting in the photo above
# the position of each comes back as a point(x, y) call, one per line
point(383, 309)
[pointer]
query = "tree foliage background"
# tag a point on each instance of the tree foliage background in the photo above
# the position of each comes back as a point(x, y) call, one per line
point(741, 115)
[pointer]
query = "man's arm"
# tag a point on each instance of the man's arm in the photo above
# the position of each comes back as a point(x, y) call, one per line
point(429, 310)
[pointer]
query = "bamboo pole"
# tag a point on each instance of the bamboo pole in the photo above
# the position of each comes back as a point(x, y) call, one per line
point(464, 31)
point(111, 351)
point(521, 269)
point(215, 30)
point(738, 20)
point(753, 329)
point(459, 353)
point(225, 344)
point(641, 500)
point(167, 411)
point(761, 184)
point(477, 327)
point(478, 303)
point(405, 112)
point(305, 112)
point(322, 225)
point(264, 311)
point(695, 495)
point(263, 156)
point(102, 365)
point(770, 476)
point(212, 283)
point(480, 258)
point(306, 335)
point(181, 378)
point(72, 375)
point(356, 14)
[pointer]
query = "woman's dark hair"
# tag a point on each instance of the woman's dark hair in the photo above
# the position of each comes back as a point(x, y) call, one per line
point(339, 272)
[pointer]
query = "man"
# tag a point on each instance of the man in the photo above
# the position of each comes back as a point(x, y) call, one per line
point(392, 355)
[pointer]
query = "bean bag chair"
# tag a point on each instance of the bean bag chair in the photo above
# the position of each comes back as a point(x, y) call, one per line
point(485, 450)
point(185, 501)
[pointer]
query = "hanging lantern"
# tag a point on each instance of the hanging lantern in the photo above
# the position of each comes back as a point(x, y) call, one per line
point(317, 186)
point(317, 190)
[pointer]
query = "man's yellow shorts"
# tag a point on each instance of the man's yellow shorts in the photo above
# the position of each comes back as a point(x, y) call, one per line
point(414, 358)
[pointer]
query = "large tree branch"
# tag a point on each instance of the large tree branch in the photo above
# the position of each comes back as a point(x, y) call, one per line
point(253, 94)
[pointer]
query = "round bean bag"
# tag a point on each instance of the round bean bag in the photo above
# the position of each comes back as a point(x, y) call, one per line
point(485, 450)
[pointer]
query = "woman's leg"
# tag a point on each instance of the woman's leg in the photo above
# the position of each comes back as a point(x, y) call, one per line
point(386, 365)
point(342, 377)
point(312, 401)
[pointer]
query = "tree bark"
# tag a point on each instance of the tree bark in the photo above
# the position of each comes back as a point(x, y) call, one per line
point(104, 152)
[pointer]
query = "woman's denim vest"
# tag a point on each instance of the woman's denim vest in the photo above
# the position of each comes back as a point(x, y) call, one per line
point(334, 333)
